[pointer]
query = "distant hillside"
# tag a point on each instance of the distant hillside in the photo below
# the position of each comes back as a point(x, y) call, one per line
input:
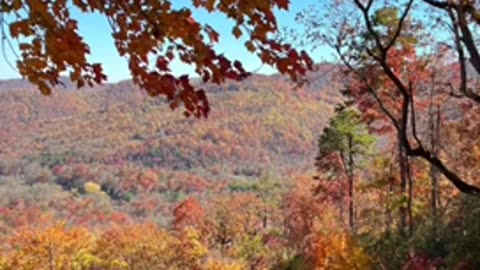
point(255, 124)
point(113, 152)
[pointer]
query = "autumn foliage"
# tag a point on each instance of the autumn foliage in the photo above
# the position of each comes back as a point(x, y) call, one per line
point(50, 44)
point(371, 165)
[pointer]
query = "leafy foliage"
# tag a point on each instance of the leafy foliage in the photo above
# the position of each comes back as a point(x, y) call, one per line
point(50, 44)
point(141, 188)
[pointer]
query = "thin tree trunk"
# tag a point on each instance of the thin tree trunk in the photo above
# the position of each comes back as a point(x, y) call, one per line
point(410, 197)
point(351, 187)
point(403, 188)
point(342, 191)
point(434, 134)
point(342, 204)
point(51, 259)
point(434, 174)
point(391, 185)
point(265, 218)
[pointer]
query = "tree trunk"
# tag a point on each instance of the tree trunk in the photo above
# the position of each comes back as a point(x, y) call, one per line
point(391, 185)
point(342, 204)
point(410, 197)
point(403, 187)
point(351, 187)
point(265, 218)
point(434, 138)
point(51, 259)
point(434, 130)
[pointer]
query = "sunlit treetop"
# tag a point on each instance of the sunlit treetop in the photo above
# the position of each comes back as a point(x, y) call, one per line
point(150, 34)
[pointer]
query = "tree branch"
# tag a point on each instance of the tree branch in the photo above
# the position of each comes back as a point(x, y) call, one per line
point(400, 25)
point(450, 175)
point(419, 151)
point(460, 25)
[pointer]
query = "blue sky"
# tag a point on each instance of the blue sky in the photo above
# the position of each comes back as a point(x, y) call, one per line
point(96, 32)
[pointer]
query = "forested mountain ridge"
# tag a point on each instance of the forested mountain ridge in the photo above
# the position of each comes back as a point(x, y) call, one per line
point(139, 152)
point(116, 160)
point(101, 122)
point(372, 164)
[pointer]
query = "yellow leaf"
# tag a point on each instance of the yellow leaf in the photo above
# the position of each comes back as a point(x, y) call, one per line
point(92, 188)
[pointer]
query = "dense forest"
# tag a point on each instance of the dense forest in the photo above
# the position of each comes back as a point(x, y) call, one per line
point(113, 157)
point(368, 161)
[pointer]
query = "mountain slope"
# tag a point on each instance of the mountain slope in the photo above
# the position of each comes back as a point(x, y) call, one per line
point(260, 122)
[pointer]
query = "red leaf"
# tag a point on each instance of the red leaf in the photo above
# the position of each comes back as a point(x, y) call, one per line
point(283, 4)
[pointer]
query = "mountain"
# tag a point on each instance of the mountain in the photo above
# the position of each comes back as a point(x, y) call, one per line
point(255, 125)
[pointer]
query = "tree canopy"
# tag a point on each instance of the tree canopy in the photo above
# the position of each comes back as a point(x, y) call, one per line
point(401, 58)
point(50, 44)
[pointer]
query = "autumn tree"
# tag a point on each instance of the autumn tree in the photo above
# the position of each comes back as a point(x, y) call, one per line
point(269, 190)
point(335, 251)
point(463, 20)
point(347, 140)
point(189, 213)
point(302, 211)
point(387, 55)
point(55, 247)
point(234, 218)
point(50, 44)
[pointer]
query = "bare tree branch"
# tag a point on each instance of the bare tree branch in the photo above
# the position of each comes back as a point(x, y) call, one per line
point(402, 127)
